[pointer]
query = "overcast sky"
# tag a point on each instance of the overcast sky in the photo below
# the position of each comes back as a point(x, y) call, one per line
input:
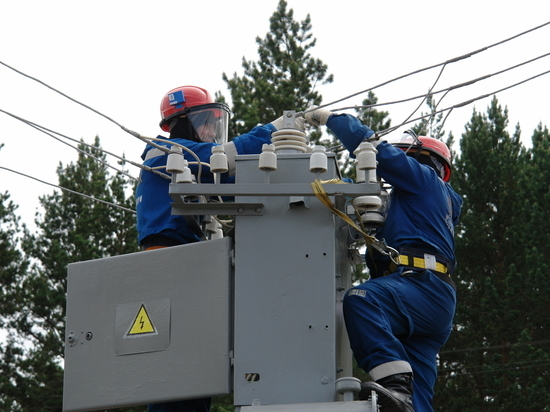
point(121, 57)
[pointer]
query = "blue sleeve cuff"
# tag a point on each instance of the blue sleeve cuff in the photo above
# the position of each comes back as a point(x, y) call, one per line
point(349, 130)
point(253, 141)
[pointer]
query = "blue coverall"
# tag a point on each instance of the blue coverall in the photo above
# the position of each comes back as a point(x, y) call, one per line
point(152, 199)
point(154, 215)
point(397, 323)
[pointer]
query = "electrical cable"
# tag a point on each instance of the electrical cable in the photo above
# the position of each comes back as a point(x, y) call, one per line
point(150, 141)
point(458, 105)
point(49, 133)
point(449, 109)
point(445, 90)
point(139, 165)
point(192, 153)
point(135, 134)
point(445, 63)
point(426, 96)
point(70, 190)
point(453, 60)
point(160, 147)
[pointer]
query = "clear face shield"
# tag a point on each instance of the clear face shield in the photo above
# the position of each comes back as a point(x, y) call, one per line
point(210, 122)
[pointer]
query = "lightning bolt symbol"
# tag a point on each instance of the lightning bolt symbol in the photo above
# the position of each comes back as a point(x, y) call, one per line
point(141, 321)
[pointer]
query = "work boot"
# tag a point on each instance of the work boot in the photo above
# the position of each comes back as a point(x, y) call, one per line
point(394, 392)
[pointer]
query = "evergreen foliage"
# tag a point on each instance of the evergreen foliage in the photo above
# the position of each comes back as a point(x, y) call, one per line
point(284, 77)
point(497, 356)
point(72, 229)
point(431, 123)
point(13, 266)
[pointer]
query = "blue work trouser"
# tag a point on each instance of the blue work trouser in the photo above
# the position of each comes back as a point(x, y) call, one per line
point(401, 318)
point(190, 405)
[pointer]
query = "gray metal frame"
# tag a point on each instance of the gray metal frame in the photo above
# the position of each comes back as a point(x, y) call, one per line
point(258, 315)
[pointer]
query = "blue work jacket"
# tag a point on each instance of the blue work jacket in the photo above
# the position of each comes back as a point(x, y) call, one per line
point(153, 203)
point(422, 209)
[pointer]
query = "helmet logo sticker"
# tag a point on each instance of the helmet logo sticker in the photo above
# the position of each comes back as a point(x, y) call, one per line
point(176, 99)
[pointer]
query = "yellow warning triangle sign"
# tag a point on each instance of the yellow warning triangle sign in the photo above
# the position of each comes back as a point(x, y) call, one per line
point(142, 323)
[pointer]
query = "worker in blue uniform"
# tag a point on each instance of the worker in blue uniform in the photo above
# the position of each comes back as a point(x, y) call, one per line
point(195, 122)
point(399, 319)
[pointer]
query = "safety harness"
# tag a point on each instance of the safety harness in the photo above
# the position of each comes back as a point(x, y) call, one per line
point(414, 260)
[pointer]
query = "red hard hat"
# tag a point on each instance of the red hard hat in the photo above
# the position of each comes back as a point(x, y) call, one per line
point(179, 100)
point(435, 147)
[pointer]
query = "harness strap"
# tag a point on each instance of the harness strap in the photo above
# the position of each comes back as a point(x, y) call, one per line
point(429, 262)
point(417, 259)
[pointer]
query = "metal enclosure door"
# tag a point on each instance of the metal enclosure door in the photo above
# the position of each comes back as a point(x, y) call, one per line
point(291, 270)
point(148, 327)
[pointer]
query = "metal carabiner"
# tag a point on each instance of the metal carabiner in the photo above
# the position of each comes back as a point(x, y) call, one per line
point(383, 248)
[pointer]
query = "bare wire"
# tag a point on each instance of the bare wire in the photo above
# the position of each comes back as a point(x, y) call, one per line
point(447, 89)
point(464, 103)
point(70, 190)
point(453, 60)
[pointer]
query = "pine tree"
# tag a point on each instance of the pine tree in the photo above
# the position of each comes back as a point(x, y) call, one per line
point(530, 284)
point(13, 265)
point(284, 77)
point(482, 365)
point(431, 123)
point(72, 228)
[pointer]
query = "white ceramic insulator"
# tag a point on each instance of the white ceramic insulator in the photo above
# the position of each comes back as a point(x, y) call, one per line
point(217, 235)
point(185, 176)
point(174, 164)
point(318, 160)
point(371, 174)
point(366, 156)
point(373, 219)
point(360, 178)
point(290, 141)
point(366, 203)
point(268, 158)
point(212, 225)
point(218, 160)
point(214, 230)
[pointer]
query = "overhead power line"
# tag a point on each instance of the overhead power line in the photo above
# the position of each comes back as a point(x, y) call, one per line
point(49, 133)
point(449, 109)
point(71, 191)
point(133, 133)
point(447, 89)
point(453, 60)
point(464, 103)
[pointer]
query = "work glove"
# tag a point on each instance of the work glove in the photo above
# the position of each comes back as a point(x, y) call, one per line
point(317, 117)
point(278, 123)
point(299, 123)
